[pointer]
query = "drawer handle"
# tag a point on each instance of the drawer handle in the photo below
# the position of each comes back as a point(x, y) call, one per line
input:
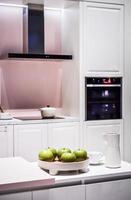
point(3, 129)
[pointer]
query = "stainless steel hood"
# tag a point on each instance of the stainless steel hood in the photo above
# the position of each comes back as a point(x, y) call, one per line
point(33, 36)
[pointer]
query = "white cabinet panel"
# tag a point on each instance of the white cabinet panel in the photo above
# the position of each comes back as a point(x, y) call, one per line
point(113, 190)
point(6, 141)
point(93, 135)
point(29, 140)
point(64, 135)
point(103, 33)
point(109, 1)
point(17, 196)
point(62, 193)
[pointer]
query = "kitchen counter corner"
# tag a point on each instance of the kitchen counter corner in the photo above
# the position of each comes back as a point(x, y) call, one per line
point(19, 174)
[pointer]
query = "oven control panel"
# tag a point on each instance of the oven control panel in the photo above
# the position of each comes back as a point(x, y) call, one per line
point(106, 80)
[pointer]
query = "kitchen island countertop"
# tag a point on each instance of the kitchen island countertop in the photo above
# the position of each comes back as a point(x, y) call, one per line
point(17, 174)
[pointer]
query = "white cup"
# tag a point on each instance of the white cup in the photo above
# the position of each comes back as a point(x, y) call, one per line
point(96, 157)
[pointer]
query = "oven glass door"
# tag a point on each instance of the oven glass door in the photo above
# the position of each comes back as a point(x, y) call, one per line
point(103, 103)
point(103, 94)
point(101, 111)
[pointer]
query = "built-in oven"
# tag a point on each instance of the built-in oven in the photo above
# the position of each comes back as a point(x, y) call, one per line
point(103, 98)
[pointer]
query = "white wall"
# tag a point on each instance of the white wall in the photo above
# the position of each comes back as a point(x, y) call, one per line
point(70, 45)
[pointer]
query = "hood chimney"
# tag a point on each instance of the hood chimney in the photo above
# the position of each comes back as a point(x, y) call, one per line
point(33, 35)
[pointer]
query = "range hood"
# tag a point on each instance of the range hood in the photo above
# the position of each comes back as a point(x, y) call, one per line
point(33, 36)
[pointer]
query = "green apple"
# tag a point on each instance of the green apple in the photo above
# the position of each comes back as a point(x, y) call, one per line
point(80, 154)
point(63, 150)
point(53, 150)
point(46, 155)
point(68, 157)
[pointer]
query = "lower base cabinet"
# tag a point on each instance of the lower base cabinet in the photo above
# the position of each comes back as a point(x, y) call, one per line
point(93, 139)
point(110, 190)
point(113, 190)
point(6, 141)
point(29, 140)
point(62, 193)
point(17, 196)
point(64, 135)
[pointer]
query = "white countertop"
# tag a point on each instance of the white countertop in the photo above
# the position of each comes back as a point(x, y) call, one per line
point(95, 172)
point(33, 116)
point(19, 174)
point(39, 121)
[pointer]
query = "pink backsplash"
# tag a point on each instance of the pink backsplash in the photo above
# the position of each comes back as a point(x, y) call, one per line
point(29, 84)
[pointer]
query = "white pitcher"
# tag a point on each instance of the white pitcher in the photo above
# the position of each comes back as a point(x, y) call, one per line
point(112, 155)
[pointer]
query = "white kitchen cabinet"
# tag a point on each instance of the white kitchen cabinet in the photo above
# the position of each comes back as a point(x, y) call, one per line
point(62, 193)
point(93, 134)
point(17, 196)
point(64, 135)
point(102, 30)
point(6, 141)
point(112, 190)
point(29, 140)
point(109, 1)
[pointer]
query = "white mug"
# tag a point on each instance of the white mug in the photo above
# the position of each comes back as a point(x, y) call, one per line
point(95, 157)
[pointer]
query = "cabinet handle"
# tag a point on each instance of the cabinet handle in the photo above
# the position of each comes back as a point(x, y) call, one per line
point(102, 85)
point(3, 128)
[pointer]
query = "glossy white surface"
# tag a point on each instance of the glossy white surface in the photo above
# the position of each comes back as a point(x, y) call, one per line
point(107, 45)
point(17, 173)
point(95, 172)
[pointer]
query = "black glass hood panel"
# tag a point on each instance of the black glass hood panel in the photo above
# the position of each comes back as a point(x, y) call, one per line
point(35, 29)
point(38, 56)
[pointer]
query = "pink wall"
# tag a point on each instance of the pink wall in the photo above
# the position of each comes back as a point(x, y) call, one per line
point(29, 84)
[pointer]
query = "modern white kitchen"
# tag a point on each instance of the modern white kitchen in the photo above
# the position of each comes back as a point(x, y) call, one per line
point(65, 83)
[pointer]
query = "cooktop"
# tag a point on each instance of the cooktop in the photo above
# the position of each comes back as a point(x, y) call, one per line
point(37, 118)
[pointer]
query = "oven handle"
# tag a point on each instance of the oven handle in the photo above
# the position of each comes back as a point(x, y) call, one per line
point(103, 85)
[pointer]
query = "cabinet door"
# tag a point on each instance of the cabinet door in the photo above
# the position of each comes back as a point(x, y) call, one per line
point(29, 140)
point(103, 33)
point(63, 135)
point(113, 190)
point(6, 141)
point(62, 193)
point(17, 196)
point(94, 139)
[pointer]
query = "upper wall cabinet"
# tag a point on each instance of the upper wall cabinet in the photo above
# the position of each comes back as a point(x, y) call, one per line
point(102, 33)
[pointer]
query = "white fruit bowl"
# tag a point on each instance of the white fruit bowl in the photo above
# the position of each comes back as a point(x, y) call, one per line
point(56, 166)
